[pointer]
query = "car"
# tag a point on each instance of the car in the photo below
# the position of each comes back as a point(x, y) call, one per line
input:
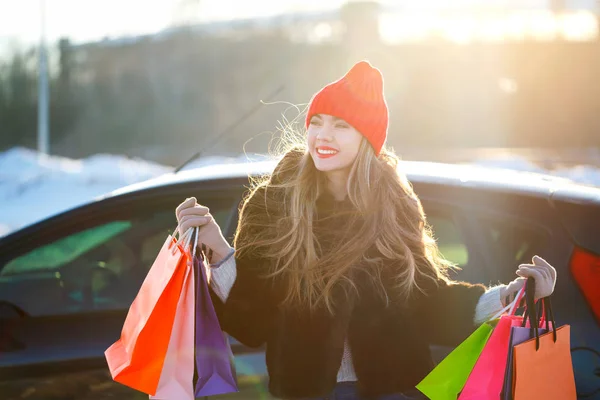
point(66, 282)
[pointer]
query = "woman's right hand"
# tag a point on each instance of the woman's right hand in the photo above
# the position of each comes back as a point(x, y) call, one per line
point(190, 214)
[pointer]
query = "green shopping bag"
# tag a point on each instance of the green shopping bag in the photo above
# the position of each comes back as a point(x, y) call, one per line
point(447, 379)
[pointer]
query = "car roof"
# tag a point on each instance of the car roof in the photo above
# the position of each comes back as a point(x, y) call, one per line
point(479, 178)
point(463, 175)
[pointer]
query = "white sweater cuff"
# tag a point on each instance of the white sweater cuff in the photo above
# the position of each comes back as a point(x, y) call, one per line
point(489, 304)
point(222, 278)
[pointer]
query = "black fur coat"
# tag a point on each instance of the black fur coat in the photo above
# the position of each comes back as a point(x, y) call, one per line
point(389, 344)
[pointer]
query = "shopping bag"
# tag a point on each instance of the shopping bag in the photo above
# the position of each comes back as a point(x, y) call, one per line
point(542, 366)
point(136, 359)
point(545, 372)
point(176, 379)
point(520, 334)
point(487, 377)
point(214, 358)
point(447, 379)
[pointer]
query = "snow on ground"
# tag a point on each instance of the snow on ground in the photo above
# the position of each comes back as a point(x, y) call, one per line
point(34, 187)
point(4, 229)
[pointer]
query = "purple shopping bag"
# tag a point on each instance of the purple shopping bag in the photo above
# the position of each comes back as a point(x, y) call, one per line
point(214, 359)
point(523, 333)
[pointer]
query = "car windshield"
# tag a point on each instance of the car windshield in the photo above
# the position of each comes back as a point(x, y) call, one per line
point(59, 253)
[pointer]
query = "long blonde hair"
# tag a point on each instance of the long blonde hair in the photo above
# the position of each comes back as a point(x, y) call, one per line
point(276, 222)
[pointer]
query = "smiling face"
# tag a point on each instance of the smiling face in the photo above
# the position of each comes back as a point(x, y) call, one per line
point(332, 142)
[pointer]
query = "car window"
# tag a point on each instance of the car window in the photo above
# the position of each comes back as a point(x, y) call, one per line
point(63, 251)
point(451, 242)
point(515, 242)
point(98, 268)
point(489, 249)
point(510, 243)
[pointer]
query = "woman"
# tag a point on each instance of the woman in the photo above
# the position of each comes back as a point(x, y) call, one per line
point(334, 267)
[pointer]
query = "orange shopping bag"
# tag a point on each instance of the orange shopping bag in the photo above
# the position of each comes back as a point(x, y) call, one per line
point(542, 366)
point(136, 359)
point(177, 376)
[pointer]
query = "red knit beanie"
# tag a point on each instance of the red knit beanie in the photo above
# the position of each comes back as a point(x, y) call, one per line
point(358, 99)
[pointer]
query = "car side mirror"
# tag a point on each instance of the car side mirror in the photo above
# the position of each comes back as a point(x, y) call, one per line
point(8, 314)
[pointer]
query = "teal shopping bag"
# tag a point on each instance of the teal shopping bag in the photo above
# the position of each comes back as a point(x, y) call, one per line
point(448, 378)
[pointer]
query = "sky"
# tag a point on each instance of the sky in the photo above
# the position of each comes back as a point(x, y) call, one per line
point(85, 20)
point(90, 20)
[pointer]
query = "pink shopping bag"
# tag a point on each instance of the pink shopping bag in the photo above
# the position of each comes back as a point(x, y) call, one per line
point(176, 379)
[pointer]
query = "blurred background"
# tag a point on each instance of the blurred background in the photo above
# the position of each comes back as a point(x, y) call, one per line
point(98, 94)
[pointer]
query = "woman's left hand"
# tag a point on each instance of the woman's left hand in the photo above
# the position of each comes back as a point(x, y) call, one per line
point(541, 271)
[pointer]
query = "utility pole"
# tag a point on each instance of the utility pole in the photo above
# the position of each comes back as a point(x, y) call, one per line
point(43, 135)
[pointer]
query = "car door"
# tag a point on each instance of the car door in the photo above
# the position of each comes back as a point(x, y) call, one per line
point(66, 286)
point(488, 239)
point(486, 245)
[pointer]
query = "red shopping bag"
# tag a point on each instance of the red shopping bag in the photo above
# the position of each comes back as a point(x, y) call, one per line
point(136, 359)
point(486, 379)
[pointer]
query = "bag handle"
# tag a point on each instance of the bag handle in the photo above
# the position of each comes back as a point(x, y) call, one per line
point(183, 240)
point(195, 242)
point(548, 309)
point(512, 306)
point(186, 239)
point(540, 310)
point(544, 310)
point(181, 236)
point(532, 313)
point(518, 298)
point(176, 233)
